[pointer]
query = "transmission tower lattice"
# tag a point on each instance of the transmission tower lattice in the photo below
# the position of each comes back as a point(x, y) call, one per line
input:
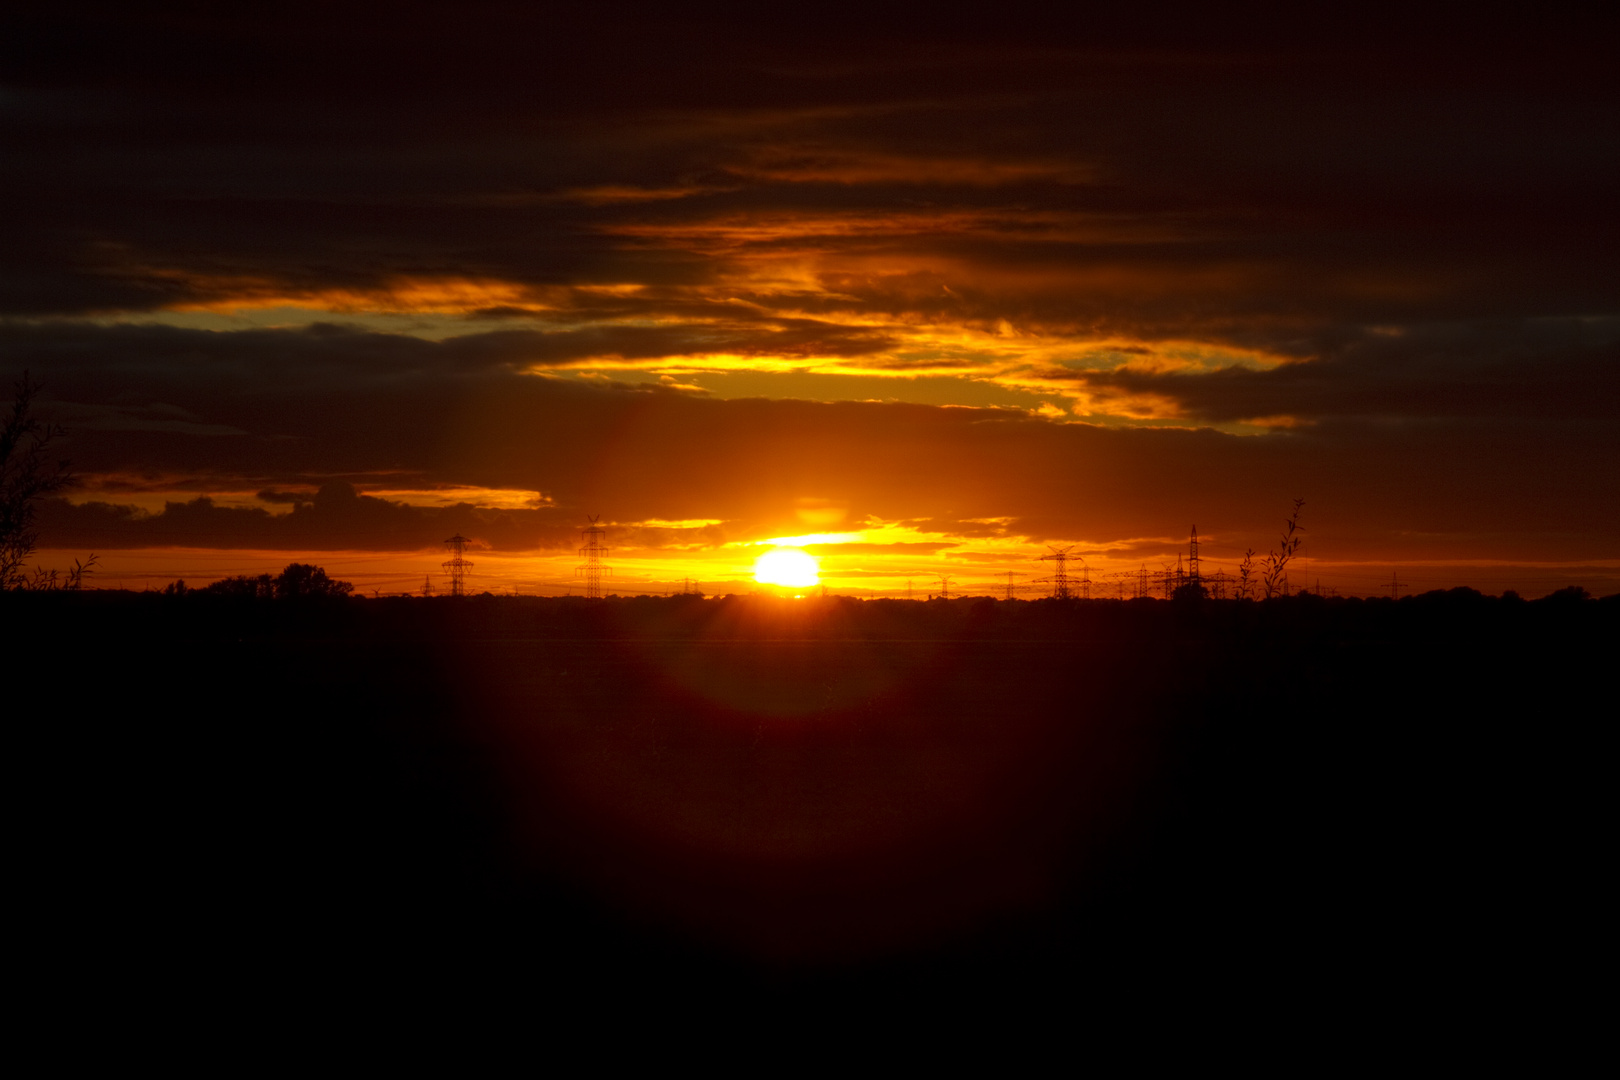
point(593, 569)
point(1060, 579)
point(456, 566)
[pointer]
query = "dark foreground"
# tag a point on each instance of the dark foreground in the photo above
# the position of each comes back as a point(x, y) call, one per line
point(1293, 807)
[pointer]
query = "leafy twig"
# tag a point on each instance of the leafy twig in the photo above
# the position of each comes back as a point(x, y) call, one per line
point(1275, 578)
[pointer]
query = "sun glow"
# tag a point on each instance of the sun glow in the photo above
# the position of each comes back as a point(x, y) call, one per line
point(788, 567)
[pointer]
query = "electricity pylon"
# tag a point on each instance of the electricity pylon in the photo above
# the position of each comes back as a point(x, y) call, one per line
point(457, 566)
point(593, 550)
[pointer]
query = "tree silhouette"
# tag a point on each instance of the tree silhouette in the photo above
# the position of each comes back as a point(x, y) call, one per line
point(243, 587)
point(302, 580)
point(298, 581)
point(27, 474)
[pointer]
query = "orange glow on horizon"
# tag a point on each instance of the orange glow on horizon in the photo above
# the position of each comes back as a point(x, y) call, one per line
point(977, 567)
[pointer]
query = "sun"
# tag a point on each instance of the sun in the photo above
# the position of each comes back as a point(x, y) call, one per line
point(786, 566)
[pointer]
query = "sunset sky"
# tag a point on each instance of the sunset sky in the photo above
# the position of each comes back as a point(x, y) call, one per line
point(918, 296)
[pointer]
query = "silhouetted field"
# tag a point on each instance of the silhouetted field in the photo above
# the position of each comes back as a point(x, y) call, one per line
point(973, 801)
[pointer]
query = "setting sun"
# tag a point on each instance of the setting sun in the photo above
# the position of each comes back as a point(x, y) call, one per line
point(786, 566)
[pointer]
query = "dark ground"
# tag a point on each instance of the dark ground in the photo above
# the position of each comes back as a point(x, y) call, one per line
point(1288, 807)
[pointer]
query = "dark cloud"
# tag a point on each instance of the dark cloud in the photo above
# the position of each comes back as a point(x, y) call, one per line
point(292, 498)
point(337, 518)
point(1568, 369)
point(1146, 174)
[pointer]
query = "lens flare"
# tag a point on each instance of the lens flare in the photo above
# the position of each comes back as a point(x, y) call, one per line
point(788, 567)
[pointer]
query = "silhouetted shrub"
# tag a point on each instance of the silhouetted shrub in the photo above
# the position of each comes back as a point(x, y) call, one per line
point(243, 587)
point(298, 581)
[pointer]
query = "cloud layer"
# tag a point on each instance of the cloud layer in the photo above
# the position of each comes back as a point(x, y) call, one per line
point(1167, 272)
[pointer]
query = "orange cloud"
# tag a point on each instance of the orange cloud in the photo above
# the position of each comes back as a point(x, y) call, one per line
point(449, 294)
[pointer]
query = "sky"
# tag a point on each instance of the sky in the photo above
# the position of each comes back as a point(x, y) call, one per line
point(919, 296)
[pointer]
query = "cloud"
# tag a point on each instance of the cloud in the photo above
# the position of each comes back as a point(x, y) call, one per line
point(1396, 250)
point(336, 518)
point(1097, 172)
point(902, 548)
point(320, 409)
point(1544, 369)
